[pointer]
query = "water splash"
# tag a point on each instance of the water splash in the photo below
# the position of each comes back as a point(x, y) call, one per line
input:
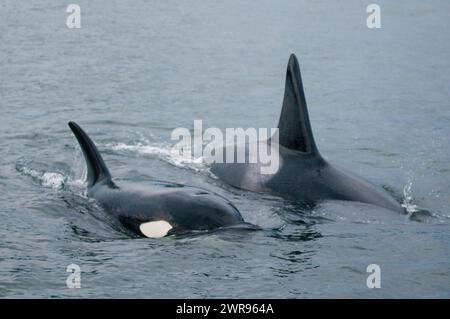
point(408, 200)
point(163, 151)
point(54, 180)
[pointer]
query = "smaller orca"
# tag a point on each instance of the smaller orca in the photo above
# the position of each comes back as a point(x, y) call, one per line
point(153, 211)
point(303, 174)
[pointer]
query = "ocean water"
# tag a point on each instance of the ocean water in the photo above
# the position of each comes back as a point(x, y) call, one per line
point(379, 106)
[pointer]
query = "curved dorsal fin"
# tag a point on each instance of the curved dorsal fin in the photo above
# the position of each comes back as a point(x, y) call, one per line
point(294, 127)
point(96, 167)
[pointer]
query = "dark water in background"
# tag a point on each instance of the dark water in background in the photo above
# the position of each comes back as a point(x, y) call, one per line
point(379, 105)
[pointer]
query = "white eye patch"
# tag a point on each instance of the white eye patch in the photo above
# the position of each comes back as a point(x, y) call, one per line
point(156, 229)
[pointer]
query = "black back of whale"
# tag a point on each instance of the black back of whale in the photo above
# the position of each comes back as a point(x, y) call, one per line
point(184, 208)
point(303, 174)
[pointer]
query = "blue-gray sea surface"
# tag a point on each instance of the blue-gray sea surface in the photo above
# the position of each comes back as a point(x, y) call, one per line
point(379, 106)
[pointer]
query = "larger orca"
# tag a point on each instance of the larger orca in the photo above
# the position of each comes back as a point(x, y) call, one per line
point(303, 174)
point(153, 210)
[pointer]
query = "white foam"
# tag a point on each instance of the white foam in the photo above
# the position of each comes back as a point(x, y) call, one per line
point(164, 152)
point(55, 180)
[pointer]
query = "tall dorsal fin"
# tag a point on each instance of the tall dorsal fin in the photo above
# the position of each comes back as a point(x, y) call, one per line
point(294, 126)
point(96, 167)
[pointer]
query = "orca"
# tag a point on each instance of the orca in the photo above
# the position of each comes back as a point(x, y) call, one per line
point(302, 174)
point(153, 211)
